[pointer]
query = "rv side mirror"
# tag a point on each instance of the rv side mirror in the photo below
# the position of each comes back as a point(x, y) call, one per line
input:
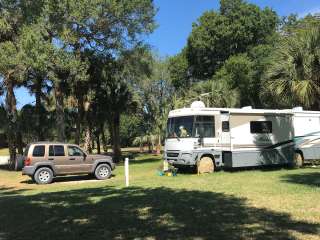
point(200, 140)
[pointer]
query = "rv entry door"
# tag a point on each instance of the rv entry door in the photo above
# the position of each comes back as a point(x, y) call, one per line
point(225, 132)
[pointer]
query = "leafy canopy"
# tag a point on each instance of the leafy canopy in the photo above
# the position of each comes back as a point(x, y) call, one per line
point(236, 28)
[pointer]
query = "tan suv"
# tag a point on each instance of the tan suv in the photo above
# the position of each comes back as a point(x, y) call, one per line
point(45, 160)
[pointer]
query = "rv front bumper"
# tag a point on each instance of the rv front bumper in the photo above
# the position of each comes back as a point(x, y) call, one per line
point(180, 157)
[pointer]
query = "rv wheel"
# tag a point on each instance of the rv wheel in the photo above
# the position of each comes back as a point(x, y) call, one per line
point(298, 160)
point(205, 165)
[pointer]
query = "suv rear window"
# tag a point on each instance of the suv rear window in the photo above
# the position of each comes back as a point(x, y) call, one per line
point(38, 151)
point(56, 150)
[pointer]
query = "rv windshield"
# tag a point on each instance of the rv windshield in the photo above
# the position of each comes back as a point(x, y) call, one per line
point(180, 127)
point(191, 126)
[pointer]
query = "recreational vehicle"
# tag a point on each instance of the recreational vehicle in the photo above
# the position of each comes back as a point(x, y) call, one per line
point(242, 137)
point(307, 134)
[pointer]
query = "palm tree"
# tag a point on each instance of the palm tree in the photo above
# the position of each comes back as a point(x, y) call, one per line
point(222, 95)
point(149, 139)
point(36, 83)
point(294, 75)
point(214, 93)
point(139, 141)
point(36, 50)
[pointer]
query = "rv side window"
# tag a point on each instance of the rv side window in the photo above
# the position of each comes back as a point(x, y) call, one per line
point(225, 126)
point(261, 127)
point(204, 127)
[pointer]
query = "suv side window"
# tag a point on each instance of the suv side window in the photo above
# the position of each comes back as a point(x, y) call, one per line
point(38, 151)
point(74, 151)
point(56, 150)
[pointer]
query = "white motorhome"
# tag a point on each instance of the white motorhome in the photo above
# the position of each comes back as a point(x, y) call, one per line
point(234, 137)
point(307, 133)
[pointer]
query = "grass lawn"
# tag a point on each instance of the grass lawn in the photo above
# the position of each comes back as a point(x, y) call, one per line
point(251, 204)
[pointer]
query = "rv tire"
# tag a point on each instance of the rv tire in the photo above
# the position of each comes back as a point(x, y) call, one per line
point(205, 165)
point(298, 160)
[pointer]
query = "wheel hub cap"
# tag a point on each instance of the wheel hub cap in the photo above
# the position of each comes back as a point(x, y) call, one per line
point(103, 171)
point(44, 176)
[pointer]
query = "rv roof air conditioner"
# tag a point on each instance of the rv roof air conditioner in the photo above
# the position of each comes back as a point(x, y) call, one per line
point(297, 109)
point(198, 104)
point(247, 107)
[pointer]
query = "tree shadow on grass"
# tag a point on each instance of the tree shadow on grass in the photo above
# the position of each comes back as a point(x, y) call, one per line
point(5, 167)
point(10, 191)
point(310, 179)
point(142, 213)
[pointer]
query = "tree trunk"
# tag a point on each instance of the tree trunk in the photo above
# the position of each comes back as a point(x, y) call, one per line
point(11, 109)
point(60, 113)
point(149, 147)
point(116, 137)
point(152, 146)
point(38, 110)
point(19, 143)
point(98, 142)
point(104, 139)
point(93, 145)
point(79, 119)
point(158, 151)
point(87, 140)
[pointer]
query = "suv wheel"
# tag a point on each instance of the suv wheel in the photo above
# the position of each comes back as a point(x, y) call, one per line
point(43, 175)
point(103, 171)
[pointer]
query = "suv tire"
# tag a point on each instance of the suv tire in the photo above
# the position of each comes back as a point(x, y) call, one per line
point(103, 171)
point(43, 175)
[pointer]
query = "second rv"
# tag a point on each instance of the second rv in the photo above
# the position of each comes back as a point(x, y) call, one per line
point(244, 137)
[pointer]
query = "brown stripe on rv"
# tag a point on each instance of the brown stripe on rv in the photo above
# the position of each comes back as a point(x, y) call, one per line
point(243, 119)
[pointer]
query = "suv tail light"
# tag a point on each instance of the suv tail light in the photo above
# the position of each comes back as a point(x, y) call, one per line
point(27, 161)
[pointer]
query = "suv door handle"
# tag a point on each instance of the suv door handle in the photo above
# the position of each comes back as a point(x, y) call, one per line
point(72, 159)
point(50, 158)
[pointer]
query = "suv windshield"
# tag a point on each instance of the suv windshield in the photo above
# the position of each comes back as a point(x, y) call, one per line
point(191, 126)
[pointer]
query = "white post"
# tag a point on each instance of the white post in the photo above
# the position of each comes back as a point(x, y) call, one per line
point(126, 171)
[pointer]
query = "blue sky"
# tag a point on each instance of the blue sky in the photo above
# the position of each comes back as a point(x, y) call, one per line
point(175, 18)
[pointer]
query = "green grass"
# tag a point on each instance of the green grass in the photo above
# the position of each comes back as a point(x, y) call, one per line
point(251, 204)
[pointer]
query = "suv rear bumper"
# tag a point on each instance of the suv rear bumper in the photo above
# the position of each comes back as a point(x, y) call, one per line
point(28, 170)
